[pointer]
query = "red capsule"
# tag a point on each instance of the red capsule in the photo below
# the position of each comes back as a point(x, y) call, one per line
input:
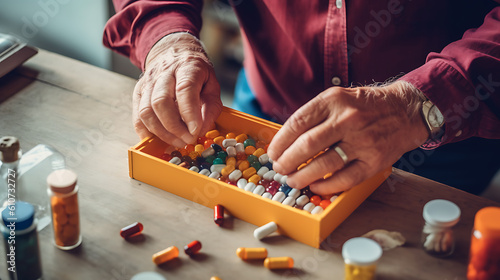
point(219, 214)
point(131, 230)
point(192, 248)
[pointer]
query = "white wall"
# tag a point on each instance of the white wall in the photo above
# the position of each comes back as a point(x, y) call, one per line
point(70, 27)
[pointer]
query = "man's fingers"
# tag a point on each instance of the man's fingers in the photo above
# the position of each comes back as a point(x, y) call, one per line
point(351, 175)
point(328, 162)
point(309, 115)
point(212, 104)
point(190, 79)
point(165, 108)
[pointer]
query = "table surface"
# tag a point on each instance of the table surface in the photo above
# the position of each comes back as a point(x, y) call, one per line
point(85, 113)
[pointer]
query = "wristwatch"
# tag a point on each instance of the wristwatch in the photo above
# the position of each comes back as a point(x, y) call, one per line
point(434, 119)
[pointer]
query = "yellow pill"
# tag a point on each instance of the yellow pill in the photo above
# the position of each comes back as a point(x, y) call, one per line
point(251, 253)
point(214, 278)
point(212, 134)
point(241, 138)
point(199, 148)
point(249, 172)
point(231, 135)
point(259, 152)
point(278, 263)
point(166, 255)
point(227, 170)
point(250, 150)
point(243, 165)
point(218, 140)
point(231, 161)
point(254, 179)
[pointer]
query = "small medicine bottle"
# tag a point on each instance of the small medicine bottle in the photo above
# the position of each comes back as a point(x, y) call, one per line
point(21, 241)
point(63, 194)
point(437, 234)
point(484, 259)
point(360, 256)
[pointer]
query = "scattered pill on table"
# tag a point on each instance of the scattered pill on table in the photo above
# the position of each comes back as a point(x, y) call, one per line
point(131, 230)
point(278, 263)
point(166, 255)
point(192, 248)
point(251, 253)
point(219, 214)
point(265, 230)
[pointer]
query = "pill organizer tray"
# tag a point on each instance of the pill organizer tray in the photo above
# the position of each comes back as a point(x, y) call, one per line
point(145, 166)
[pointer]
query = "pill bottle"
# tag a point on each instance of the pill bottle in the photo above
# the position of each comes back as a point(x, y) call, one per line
point(63, 194)
point(21, 241)
point(437, 234)
point(484, 259)
point(360, 256)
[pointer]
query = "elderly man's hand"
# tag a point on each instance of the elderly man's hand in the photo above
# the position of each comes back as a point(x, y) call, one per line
point(178, 97)
point(373, 126)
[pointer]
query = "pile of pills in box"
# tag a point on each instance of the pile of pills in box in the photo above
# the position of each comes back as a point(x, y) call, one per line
point(243, 162)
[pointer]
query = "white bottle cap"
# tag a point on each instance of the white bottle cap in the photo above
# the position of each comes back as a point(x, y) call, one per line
point(440, 212)
point(62, 181)
point(361, 251)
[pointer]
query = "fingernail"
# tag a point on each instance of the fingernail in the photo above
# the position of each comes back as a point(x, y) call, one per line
point(188, 138)
point(178, 143)
point(192, 126)
point(276, 166)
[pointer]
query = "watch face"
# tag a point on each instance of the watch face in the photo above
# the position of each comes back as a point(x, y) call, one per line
point(436, 119)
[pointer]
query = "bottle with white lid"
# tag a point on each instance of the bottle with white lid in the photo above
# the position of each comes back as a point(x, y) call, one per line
point(63, 193)
point(437, 235)
point(360, 256)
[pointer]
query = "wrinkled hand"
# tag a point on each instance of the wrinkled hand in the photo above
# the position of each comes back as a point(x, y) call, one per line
point(178, 97)
point(374, 126)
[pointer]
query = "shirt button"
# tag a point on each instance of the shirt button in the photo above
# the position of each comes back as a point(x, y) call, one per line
point(336, 81)
point(458, 133)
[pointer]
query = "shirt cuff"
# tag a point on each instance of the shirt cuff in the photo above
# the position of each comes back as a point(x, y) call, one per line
point(453, 95)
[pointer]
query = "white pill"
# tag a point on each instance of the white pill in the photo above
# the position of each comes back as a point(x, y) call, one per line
point(259, 190)
point(294, 193)
point(283, 179)
point(317, 210)
point(263, 170)
point(217, 167)
point(269, 175)
point(277, 177)
point(309, 207)
point(235, 175)
point(271, 161)
point(205, 172)
point(267, 195)
point(265, 230)
point(302, 200)
point(290, 201)
point(279, 196)
point(240, 148)
point(175, 160)
point(194, 168)
point(250, 187)
point(229, 143)
point(242, 183)
point(214, 175)
point(208, 152)
point(263, 159)
point(332, 199)
point(231, 151)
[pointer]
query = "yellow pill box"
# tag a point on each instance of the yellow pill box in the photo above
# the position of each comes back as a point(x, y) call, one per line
point(146, 166)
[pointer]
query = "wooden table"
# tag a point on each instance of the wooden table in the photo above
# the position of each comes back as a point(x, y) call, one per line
point(85, 112)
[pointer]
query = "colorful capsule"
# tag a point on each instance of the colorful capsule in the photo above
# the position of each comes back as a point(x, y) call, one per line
point(324, 203)
point(218, 140)
point(227, 170)
point(235, 175)
point(229, 143)
point(265, 230)
point(278, 263)
point(249, 150)
point(244, 165)
point(131, 230)
point(166, 255)
point(212, 134)
point(250, 187)
point(249, 172)
point(231, 135)
point(192, 248)
point(309, 207)
point(175, 160)
point(294, 193)
point(249, 142)
point(279, 197)
point(208, 143)
point(251, 253)
point(259, 190)
point(317, 210)
point(315, 199)
point(215, 278)
point(241, 138)
point(254, 179)
point(267, 195)
point(219, 214)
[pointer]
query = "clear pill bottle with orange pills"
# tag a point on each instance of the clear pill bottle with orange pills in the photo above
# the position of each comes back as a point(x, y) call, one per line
point(484, 258)
point(63, 194)
point(360, 256)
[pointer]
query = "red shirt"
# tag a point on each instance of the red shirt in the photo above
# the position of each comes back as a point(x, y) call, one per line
point(296, 49)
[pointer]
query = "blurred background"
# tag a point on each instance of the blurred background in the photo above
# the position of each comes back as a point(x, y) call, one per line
point(74, 29)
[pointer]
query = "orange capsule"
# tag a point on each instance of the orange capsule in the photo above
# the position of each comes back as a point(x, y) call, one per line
point(241, 138)
point(193, 155)
point(259, 152)
point(241, 156)
point(183, 152)
point(278, 263)
point(244, 165)
point(208, 143)
point(315, 199)
point(249, 172)
point(231, 135)
point(231, 161)
point(131, 230)
point(166, 255)
point(199, 148)
point(254, 179)
point(249, 150)
point(324, 203)
point(192, 248)
point(212, 134)
point(227, 170)
point(218, 140)
point(189, 147)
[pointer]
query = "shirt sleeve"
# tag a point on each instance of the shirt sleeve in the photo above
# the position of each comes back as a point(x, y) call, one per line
point(463, 81)
point(139, 24)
